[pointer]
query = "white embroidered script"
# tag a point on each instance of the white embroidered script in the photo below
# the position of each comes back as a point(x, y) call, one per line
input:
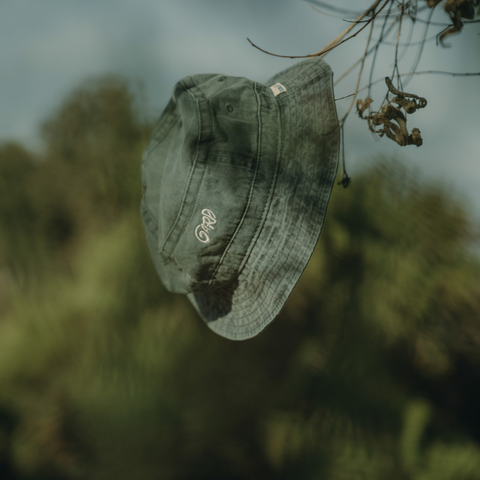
point(209, 219)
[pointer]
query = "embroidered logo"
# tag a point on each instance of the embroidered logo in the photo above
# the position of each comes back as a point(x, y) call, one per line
point(278, 88)
point(209, 219)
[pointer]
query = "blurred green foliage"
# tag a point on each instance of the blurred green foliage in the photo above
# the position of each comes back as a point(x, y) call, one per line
point(372, 370)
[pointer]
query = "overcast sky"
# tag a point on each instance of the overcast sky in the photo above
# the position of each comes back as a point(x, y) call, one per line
point(47, 47)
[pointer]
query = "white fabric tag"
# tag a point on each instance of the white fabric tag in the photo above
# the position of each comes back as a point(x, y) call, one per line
point(278, 88)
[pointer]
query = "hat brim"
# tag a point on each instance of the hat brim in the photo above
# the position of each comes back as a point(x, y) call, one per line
point(296, 214)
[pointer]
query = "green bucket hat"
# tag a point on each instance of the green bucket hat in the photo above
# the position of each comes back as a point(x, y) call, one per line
point(237, 176)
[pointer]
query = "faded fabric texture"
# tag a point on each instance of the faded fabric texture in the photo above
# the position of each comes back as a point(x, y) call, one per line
point(237, 178)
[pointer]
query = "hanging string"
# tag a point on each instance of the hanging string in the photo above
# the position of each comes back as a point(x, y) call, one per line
point(346, 180)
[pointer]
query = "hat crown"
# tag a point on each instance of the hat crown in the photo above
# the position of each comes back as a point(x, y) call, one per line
point(208, 155)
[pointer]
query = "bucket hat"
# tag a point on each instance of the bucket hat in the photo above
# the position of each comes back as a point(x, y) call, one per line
point(237, 176)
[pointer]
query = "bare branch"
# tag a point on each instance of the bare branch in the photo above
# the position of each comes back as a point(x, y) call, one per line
point(426, 72)
point(399, 33)
point(420, 50)
point(439, 72)
point(359, 73)
point(383, 34)
point(346, 96)
point(338, 40)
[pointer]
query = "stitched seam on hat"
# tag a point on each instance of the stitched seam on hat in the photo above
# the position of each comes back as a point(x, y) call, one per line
point(270, 193)
point(313, 69)
point(143, 207)
point(144, 183)
point(150, 213)
point(283, 127)
point(218, 154)
point(319, 208)
point(148, 151)
point(164, 124)
point(192, 170)
point(327, 177)
point(249, 201)
point(165, 129)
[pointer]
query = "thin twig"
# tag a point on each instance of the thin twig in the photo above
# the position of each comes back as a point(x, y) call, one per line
point(356, 21)
point(359, 73)
point(425, 72)
point(336, 42)
point(399, 33)
point(420, 50)
point(439, 72)
point(383, 34)
point(346, 96)
point(411, 44)
point(437, 24)
point(380, 40)
point(440, 24)
point(407, 43)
